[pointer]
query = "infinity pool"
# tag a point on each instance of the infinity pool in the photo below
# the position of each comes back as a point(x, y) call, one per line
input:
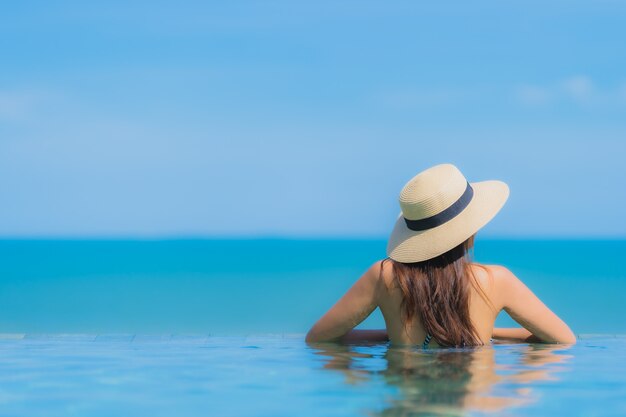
point(279, 375)
point(85, 331)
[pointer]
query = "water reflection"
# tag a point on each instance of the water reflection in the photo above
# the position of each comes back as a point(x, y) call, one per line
point(447, 382)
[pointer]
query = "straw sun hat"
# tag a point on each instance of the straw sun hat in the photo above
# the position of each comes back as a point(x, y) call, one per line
point(440, 210)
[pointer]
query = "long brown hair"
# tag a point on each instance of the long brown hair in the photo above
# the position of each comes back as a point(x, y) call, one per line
point(437, 291)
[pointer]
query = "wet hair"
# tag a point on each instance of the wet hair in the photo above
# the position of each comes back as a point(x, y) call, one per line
point(437, 291)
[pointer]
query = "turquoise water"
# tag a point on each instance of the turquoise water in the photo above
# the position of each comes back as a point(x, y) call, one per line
point(216, 327)
point(236, 287)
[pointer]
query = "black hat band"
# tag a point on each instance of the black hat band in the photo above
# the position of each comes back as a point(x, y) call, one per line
point(443, 216)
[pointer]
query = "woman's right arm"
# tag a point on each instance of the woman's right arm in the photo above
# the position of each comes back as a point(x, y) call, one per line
point(529, 311)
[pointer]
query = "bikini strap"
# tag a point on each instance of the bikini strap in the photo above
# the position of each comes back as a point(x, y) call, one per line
point(426, 341)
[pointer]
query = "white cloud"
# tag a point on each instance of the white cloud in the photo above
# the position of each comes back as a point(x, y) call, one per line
point(533, 95)
point(18, 105)
point(579, 87)
point(622, 92)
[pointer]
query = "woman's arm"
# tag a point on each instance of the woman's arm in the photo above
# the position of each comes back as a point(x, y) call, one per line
point(354, 307)
point(355, 336)
point(515, 334)
point(529, 311)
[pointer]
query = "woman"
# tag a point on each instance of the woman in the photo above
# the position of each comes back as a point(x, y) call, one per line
point(428, 290)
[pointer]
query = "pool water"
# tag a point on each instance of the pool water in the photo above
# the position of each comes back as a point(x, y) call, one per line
point(280, 375)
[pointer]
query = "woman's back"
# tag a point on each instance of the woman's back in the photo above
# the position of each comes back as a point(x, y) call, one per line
point(496, 288)
point(482, 315)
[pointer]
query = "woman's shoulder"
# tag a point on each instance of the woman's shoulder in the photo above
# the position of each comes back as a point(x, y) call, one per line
point(491, 271)
point(382, 272)
point(496, 280)
point(491, 277)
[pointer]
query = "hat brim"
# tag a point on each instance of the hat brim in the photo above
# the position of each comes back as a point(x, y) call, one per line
point(406, 245)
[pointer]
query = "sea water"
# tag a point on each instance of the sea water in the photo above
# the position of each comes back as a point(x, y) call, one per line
point(216, 327)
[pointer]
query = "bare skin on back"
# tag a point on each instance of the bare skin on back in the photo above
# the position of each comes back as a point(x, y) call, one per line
point(503, 290)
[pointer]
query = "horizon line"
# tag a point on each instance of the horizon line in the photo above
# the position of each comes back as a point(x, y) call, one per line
point(174, 237)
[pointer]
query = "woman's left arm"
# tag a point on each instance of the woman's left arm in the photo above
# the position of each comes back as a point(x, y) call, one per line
point(351, 309)
point(359, 336)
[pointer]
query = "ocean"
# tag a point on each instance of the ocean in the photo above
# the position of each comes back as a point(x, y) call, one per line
point(216, 327)
point(237, 287)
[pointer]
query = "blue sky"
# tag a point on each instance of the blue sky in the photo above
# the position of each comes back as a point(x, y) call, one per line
point(280, 118)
